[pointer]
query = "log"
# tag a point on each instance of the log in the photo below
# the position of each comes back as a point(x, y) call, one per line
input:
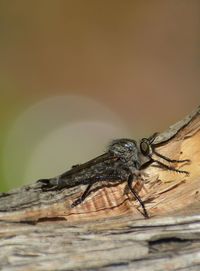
point(40, 231)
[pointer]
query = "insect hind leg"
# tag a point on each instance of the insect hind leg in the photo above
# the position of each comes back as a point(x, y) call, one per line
point(88, 189)
point(82, 197)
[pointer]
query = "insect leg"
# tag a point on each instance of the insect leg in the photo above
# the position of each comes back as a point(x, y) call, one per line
point(168, 159)
point(148, 163)
point(152, 137)
point(87, 190)
point(130, 181)
point(83, 196)
point(170, 168)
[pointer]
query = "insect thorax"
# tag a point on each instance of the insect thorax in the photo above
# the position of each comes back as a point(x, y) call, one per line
point(126, 150)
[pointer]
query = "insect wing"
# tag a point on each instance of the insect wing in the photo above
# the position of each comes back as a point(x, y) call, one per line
point(88, 165)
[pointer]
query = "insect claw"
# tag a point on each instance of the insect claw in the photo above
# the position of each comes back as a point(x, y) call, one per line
point(146, 214)
point(187, 173)
point(183, 172)
point(188, 161)
point(184, 161)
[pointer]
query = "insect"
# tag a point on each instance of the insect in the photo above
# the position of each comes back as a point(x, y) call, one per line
point(122, 162)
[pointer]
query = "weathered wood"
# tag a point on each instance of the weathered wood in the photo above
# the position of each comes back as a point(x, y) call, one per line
point(108, 244)
point(40, 231)
point(178, 127)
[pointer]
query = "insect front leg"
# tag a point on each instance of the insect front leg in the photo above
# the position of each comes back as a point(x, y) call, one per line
point(170, 160)
point(152, 160)
point(171, 168)
point(130, 181)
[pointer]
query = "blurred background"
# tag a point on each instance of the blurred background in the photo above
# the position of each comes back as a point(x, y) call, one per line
point(76, 74)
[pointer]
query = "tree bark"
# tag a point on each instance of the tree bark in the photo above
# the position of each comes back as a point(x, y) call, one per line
point(40, 231)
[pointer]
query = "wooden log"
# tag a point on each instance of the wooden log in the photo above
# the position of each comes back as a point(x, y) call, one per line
point(40, 231)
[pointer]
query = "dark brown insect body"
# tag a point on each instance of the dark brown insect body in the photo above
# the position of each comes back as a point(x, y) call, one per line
point(122, 162)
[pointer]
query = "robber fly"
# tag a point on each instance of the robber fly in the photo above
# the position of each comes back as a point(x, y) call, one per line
point(122, 162)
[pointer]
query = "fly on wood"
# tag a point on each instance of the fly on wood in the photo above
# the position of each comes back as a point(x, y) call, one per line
point(122, 162)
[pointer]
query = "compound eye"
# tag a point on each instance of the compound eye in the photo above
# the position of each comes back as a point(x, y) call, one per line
point(144, 147)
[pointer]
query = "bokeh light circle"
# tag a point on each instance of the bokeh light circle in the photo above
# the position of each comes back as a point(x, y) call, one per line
point(55, 133)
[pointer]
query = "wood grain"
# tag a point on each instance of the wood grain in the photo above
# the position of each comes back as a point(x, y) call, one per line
point(40, 231)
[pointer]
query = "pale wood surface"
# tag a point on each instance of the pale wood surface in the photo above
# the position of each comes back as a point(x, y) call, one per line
point(40, 231)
